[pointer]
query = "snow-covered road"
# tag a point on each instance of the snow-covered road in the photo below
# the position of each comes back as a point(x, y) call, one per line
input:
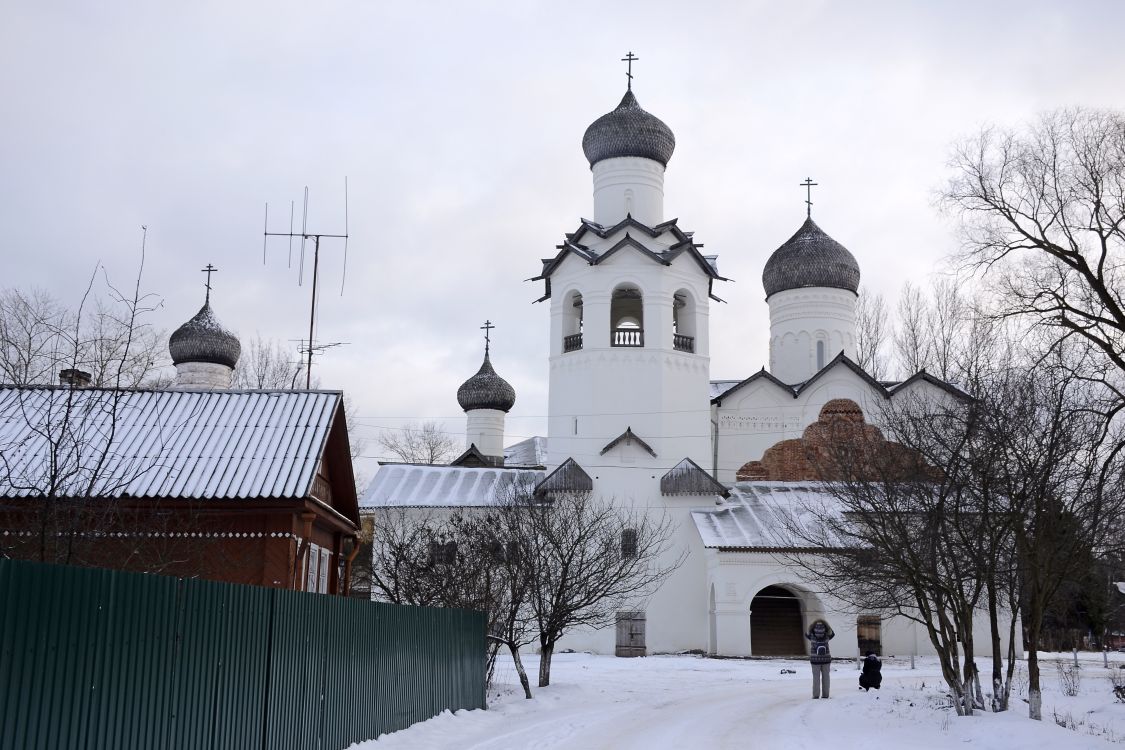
point(689, 702)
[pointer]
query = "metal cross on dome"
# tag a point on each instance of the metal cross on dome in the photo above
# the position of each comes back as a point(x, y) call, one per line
point(487, 328)
point(629, 59)
point(210, 269)
point(808, 185)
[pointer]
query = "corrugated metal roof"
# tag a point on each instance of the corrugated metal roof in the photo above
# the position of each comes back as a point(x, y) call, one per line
point(425, 485)
point(763, 515)
point(530, 452)
point(163, 443)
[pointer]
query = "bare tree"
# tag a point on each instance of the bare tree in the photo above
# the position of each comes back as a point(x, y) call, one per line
point(267, 364)
point(61, 457)
point(1059, 475)
point(872, 333)
point(538, 567)
point(1042, 213)
point(587, 559)
point(39, 336)
point(464, 559)
point(911, 336)
point(422, 443)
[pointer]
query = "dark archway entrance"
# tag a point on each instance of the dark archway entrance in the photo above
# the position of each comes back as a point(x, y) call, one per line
point(776, 624)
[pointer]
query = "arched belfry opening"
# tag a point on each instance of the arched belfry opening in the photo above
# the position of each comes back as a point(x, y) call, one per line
point(683, 321)
point(776, 623)
point(626, 316)
point(572, 322)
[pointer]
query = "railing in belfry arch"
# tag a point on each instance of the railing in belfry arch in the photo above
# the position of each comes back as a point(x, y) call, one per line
point(628, 337)
point(572, 343)
point(105, 658)
point(683, 343)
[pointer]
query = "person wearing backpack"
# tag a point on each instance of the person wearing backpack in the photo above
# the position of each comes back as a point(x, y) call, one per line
point(871, 676)
point(819, 634)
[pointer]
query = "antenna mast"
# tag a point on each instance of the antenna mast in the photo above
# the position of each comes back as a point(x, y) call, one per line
point(305, 234)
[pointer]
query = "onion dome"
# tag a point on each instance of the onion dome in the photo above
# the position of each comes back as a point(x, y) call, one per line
point(486, 390)
point(203, 339)
point(628, 131)
point(810, 258)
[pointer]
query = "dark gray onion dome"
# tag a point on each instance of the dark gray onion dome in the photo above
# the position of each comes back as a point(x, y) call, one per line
point(628, 131)
point(810, 258)
point(486, 390)
point(203, 339)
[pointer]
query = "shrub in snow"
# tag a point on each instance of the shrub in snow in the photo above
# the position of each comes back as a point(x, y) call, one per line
point(1117, 682)
point(1069, 677)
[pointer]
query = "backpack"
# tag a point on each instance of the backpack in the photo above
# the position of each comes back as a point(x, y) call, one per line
point(820, 647)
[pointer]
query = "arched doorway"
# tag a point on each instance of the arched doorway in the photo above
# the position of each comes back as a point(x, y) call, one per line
point(776, 625)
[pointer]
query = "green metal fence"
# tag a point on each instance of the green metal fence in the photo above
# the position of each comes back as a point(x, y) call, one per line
point(95, 658)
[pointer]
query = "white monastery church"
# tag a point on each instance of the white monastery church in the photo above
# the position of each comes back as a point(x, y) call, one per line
point(635, 417)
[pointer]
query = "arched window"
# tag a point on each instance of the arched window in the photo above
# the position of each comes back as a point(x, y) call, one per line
point(683, 321)
point(572, 322)
point(819, 355)
point(626, 317)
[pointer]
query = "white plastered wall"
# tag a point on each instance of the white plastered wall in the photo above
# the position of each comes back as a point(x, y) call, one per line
point(203, 376)
point(484, 428)
point(628, 185)
point(799, 319)
point(598, 391)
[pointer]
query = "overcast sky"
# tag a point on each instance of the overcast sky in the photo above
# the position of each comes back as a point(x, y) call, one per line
point(459, 127)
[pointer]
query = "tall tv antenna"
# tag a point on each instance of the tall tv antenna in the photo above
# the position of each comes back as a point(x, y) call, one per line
point(306, 235)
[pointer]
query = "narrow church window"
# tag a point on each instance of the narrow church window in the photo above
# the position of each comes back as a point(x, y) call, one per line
point(629, 543)
point(443, 553)
point(820, 355)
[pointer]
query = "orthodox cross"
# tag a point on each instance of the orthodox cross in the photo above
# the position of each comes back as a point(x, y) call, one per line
point(808, 185)
point(487, 328)
point(629, 59)
point(210, 269)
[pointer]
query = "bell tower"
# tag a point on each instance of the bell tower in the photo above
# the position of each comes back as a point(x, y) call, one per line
point(630, 294)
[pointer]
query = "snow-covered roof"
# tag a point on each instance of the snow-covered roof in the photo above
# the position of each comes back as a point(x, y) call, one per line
point(761, 515)
point(425, 485)
point(719, 387)
point(163, 443)
point(530, 452)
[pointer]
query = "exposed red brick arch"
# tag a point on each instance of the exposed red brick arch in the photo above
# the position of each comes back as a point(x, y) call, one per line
point(839, 445)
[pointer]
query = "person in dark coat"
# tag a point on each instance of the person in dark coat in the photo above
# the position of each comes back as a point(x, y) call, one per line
point(819, 633)
point(871, 676)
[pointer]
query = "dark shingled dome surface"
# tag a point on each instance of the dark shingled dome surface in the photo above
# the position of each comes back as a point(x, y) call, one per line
point(486, 390)
point(628, 131)
point(810, 258)
point(203, 339)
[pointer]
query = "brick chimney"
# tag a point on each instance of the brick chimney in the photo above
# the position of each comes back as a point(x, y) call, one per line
point(75, 378)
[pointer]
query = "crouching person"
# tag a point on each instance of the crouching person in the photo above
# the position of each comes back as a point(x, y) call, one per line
point(820, 657)
point(871, 676)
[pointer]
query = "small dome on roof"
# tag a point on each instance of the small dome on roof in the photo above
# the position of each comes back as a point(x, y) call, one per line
point(203, 339)
point(810, 258)
point(486, 390)
point(628, 131)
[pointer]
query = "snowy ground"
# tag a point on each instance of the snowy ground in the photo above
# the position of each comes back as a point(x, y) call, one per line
point(692, 702)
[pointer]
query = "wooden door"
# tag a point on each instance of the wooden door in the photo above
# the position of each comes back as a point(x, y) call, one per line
point(630, 634)
point(776, 624)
